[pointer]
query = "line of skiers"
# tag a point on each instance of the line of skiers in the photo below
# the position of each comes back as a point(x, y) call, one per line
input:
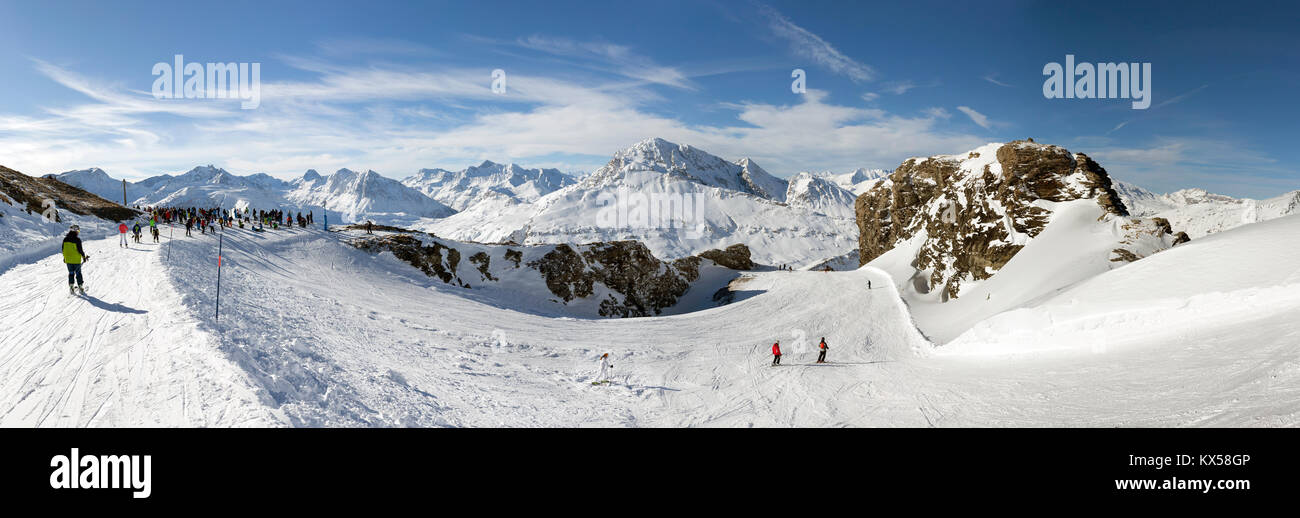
point(821, 352)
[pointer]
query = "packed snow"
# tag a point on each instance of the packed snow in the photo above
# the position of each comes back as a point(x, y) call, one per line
point(315, 333)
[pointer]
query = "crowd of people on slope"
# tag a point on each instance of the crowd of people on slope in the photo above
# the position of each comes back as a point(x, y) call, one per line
point(206, 220)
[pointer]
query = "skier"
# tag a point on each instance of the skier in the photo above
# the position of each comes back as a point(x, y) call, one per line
point(868, 284)
point(121, 229)
point(154, 230)
point(370, 226)
point(776, 353)
point(189, 224)
point(605, 366)
point(74, 256)
point(821, 356)
point(135, 232)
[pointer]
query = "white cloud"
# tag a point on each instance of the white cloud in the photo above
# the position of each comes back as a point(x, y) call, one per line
point(378, 118)
point(812, 46)
point(977, 117)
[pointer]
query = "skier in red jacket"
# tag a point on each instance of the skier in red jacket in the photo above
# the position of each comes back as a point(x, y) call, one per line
point(776, 353)
point(121, 229)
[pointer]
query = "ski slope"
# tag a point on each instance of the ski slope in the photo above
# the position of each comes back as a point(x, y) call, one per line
point(127, 354)
point(315, 333)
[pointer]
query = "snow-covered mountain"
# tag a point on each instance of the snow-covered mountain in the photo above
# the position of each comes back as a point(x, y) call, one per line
point(683, 162)
point(460, 189)
point(859, 180)
point(367, 195)
point(97, 182)
point(1200, 213)
point(820, 194)
point(678, 200)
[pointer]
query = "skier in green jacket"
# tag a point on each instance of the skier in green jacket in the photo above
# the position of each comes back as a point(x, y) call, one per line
point(74, 257)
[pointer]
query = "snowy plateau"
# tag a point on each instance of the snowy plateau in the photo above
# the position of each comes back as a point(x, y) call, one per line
point(1015, 284)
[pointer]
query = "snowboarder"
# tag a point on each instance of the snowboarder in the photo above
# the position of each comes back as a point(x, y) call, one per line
point(605, 366)
point(74, 256)
point(821, 347)
point(121, 229)
point(776, 353)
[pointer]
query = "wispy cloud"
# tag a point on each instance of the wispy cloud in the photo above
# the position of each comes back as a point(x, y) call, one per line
point(376, 118)
point(976, 117)
point(615, 58)
point(993, 78)
point(811, 46)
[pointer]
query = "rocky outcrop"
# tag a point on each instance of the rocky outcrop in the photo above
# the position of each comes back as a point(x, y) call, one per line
point(39, 194)
point(435, 260)
point(630, 280)
point(735, 257)
point(976, 210)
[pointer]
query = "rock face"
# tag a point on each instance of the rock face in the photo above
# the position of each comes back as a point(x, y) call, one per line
point(621, 278)
point(642, 285)
point(735, 257)
point(974, 211)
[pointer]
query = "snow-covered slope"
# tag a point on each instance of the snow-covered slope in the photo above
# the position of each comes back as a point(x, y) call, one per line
point(1239, 275)
point(679, 201)
point(460, 189)
point(1077, 244)
point(1200, 213)
point(316, 333)
point(820, 194)
point(358, 196)
point(35, 214)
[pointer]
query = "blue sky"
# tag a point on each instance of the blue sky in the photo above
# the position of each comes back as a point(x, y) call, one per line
point(396, 87)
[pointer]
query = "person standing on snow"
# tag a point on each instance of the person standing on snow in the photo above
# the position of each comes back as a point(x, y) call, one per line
point(121, 229)
point(821, 347)
point(776, 353)
point(74, 256)
point(605, 366)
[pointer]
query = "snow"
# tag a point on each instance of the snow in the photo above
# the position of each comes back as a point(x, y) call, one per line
point(460, 189)
point(316, 333)
point(1201, 213)
point(128, 354)
point(715, 204)
point(1237, 275)
point(1076, 245)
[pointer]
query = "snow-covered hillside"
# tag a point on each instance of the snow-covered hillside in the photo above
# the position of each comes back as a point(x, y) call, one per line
point(1238, 276)
point(369, 195)
point(314, 332)
point(678, 200)
point(1200, 213)
point(35, 214)
point(460, 189)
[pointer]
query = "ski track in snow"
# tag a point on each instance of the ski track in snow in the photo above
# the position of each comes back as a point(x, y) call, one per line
point(315, 333)
point(127, 354)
